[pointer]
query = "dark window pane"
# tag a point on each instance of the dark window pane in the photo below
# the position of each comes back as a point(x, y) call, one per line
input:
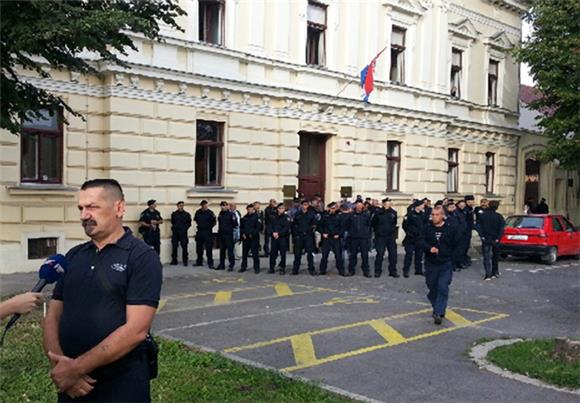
point(213, 165)
point(40, 248)
point(45, 121)
point(200, 165)
point(207, 132)
point(525, 222)
point(49, 156)
point(29, 156)
point(556, 224)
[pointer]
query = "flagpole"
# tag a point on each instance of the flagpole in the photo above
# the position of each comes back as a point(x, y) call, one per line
point(358, 77)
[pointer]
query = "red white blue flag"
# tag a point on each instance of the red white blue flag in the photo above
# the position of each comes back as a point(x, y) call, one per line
point(367, 77)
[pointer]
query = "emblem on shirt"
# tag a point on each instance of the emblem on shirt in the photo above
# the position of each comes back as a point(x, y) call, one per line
point(119, 267)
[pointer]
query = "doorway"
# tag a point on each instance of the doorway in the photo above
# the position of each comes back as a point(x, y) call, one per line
point(311, 166)
point(532, 180)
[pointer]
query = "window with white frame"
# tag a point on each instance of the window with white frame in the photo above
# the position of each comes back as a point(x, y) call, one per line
point(492, 79)
point(397, 70)
point(452, 170)
point(211, 21)
point(393, 165)
point(208, 153)
point(456, 66)
point(316, 34)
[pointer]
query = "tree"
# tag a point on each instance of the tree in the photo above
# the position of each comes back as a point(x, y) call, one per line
point(553, 54)
point(34, 33)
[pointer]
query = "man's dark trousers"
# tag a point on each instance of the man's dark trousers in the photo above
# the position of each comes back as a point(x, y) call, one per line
point(267, 236)
point(280, 246)
point(331, 244)
point(490, 258)
point(177, 239)
point(226, 245)
point(153, 239)
point(388, 244)
point(303, 243)
point(438, 278)
point(466, 246)
point(252, 244)
point(359, 245)
point(410, 250)
point(204, 241)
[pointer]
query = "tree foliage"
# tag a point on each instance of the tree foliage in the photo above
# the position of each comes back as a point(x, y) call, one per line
point(553, 54)
point(34, 34)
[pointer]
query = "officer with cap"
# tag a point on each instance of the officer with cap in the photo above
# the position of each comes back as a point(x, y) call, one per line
point(149, 222)
point(180, 223)
point(331, 229)
point(384, 224)
point(303, 231)
point(359, 229)
point(413, 225)
point(250, 227)
point(227, 223)
point(279, 233)
point(470, 222)
point(205, 220)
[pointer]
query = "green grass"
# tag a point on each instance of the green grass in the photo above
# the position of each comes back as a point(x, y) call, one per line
point(184, 375)
point(533, 358)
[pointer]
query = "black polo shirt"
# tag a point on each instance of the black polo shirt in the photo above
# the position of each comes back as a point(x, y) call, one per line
point(90, 311)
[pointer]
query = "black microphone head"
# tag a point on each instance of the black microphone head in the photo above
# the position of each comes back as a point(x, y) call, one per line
point(52, 268)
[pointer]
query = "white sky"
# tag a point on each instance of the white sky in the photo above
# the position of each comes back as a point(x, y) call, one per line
point(524, 69)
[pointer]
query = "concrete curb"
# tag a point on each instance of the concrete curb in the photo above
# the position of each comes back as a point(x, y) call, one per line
point(479, 355)
point(255, 364)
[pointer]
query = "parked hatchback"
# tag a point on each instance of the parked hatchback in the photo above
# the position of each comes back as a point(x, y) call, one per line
point(546, 235)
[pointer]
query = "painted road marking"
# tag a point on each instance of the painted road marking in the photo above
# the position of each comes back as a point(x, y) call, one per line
point(162, 303)
point(351, 300)
point(225, 280)
point(305, 353)
point(283, 290)
point(222, 297)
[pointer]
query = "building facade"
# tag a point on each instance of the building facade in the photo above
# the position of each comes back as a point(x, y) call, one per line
point(257, 95)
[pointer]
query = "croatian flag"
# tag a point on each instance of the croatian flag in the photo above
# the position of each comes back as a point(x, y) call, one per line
point(367, 79)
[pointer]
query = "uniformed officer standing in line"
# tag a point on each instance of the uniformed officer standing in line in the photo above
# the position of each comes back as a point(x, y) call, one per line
point(205, 220)
point(413, 225)
point(269, 214)
point(303, 230)
point(344, 216)
point(469, 222)
point(180, 223)
point(330, 226)
point(280, 232)
point(250, 227)
point(149, 222)
point(457, 220)
point(441, 244)
point(384, 223)
point(260, 213)
point(227, 223)
point(359, 229)
point(491, 228)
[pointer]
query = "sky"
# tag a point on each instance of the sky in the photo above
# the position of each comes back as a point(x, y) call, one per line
point(524, 68)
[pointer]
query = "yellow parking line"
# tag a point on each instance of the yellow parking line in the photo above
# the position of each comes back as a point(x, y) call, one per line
point(456, 319)
point(283, 290)
point(206, 293)
point(387, 332)
point(303, 349)
point(222, 297)
point(162, 303)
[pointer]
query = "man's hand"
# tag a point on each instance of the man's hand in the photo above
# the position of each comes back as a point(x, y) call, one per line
point(275, 235)
point(434, 250)
point(65, 373)
point(21, 304)
point(82, 388)
point(336, 237)
point(325, 236)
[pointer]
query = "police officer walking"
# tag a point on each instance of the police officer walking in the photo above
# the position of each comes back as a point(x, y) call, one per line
point(359, 229)
point(149, 222)
point(491, 227)
point(227, 223)
point(384, 223)
point(205, 220)
point(280, 232)
point(250, 227)
point(331, 230)
point(413, 225)
point(303, 230)
point(180, 223)
point(441, 244)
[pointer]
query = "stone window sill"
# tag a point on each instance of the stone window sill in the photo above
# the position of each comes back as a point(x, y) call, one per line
point(209, 191)
point(42, 189)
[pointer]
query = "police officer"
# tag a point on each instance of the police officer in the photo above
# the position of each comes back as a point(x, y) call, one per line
point(303, 230)
point(227, 223)
point(457, 220)
point(279, 233)
point(344, 217)
point(491, 227)
point(269, 213)
point(359, 229)
point(384, 223)
point(440, 243)
point(205, 220)
point(469, 214)
point(180, 223)
point(149, 222)
point(413, 224)
point(330, 226)
point(250, 227)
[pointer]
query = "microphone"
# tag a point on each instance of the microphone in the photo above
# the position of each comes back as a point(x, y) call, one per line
point(50, 271)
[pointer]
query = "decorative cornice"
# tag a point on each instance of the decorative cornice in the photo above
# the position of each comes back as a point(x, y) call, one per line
point(482, 19)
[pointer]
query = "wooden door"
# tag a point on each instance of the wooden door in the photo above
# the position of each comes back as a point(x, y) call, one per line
point(311, 166)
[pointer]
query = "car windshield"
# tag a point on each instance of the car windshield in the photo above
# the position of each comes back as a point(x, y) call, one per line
point(525, 222)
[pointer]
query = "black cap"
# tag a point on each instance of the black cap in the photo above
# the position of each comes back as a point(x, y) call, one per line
point(251, 205)
point(223, 203)
point(469, 197)
point(386, 199)
point(417, 203)
point(304, 201)
point(150, 202)
point(280, 205)
point(331, 205)
point(201, 203)
point(179, 202)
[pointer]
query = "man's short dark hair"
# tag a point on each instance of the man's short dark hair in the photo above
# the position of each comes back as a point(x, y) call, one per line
point(493, 204)
point(111, 185)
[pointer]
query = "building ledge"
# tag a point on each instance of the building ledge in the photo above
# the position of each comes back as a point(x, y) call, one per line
point(42, 189)
point(209, 191)
point(397, 195)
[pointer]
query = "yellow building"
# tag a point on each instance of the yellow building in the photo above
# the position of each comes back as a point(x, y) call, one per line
point(255, 95)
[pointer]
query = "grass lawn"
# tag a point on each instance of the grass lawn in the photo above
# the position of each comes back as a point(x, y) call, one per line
point(184, 375)
point(533, 358)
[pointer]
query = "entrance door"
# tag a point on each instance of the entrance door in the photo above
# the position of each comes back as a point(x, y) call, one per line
point(311, 167)
point(532, 180)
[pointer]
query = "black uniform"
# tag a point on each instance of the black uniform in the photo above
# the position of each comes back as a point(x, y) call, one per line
point(180, 223)
point(330, 226)
point(151, 236)
point(384, 223)
point(469, 223)
point(279, 224)
point(359, 229)
point(250, 228)
point(303, 231)
point(457, 221)
point(227, 223)
point(344, 218)
point(205, 220)
point(413, 225)
point(269, 214)
point(491, 227)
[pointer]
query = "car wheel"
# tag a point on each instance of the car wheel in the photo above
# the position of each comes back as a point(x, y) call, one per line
point(551, 256)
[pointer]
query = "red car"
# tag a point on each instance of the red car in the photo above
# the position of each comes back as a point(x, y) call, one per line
point(546, 235)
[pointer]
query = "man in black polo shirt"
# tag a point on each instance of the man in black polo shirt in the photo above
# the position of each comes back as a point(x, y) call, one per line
point(103, 306)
